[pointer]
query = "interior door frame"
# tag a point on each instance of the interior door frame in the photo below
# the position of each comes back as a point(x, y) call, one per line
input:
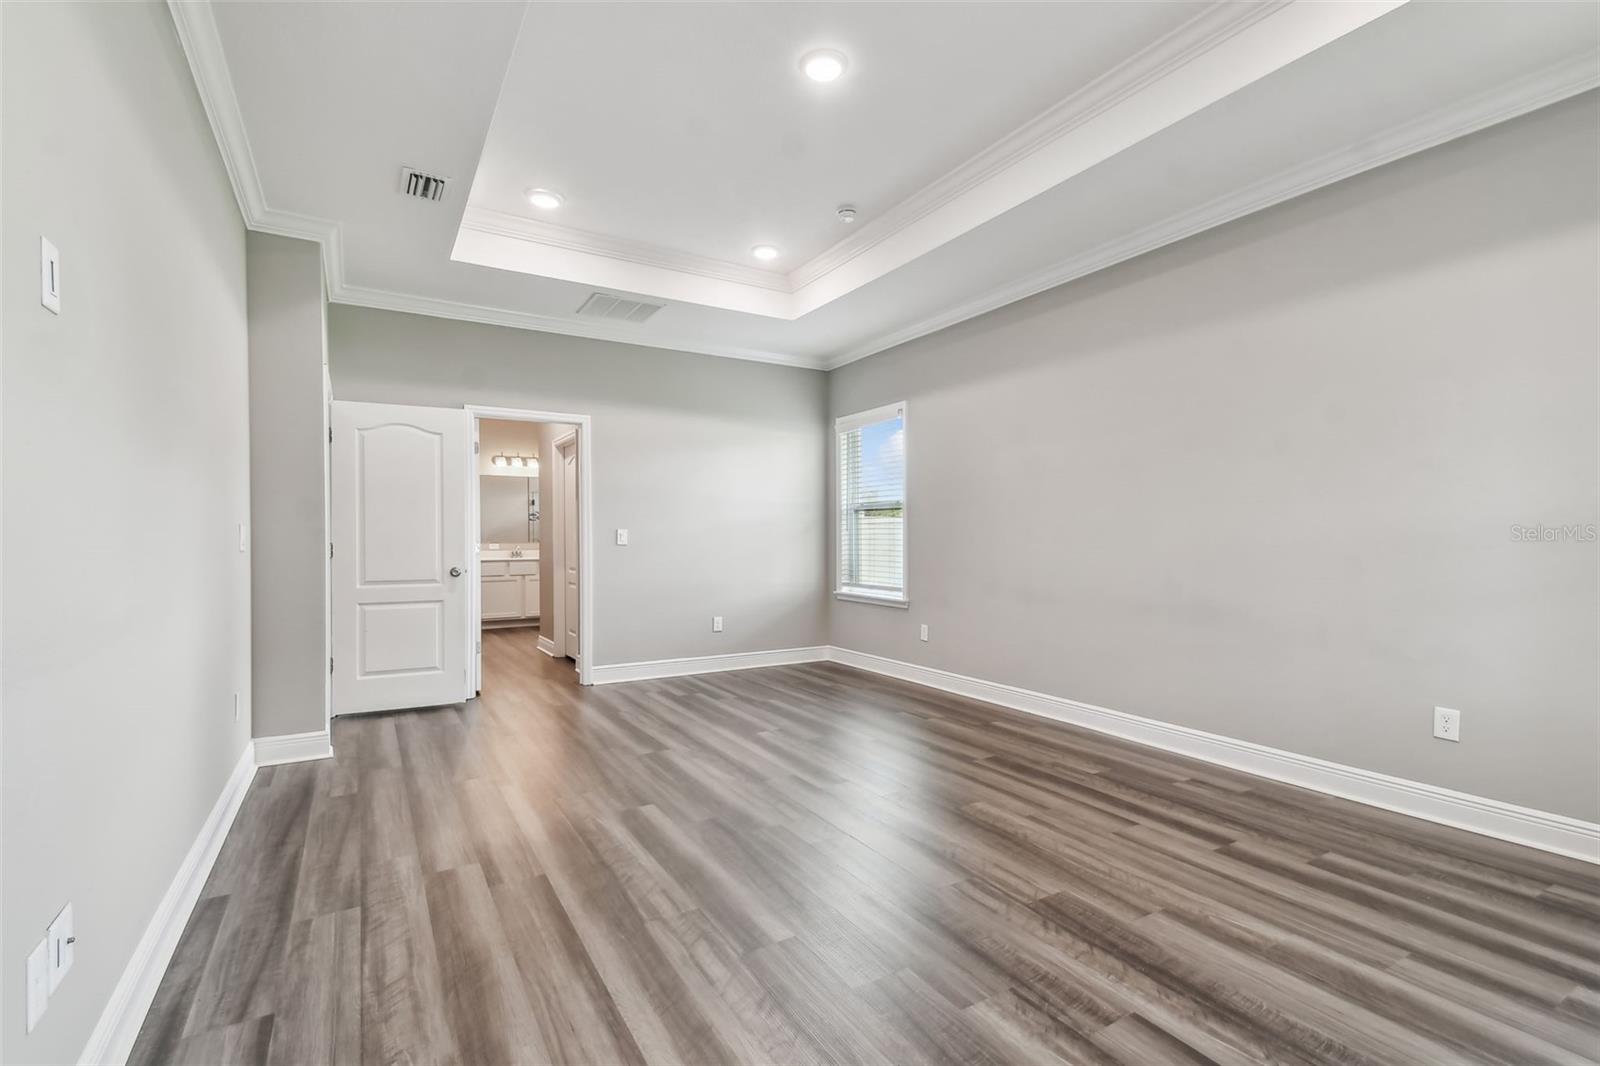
point(559, 559)
point(585, 433)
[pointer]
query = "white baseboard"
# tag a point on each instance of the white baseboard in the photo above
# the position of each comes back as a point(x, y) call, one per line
point(1506, 821)
point(547, 646)
point(293, 747)
point(114, 1034)
point(707, 664)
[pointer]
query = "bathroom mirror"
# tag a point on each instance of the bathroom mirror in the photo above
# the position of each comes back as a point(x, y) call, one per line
point(508, 509)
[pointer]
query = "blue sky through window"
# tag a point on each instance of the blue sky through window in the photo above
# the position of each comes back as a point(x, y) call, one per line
point(883, 455)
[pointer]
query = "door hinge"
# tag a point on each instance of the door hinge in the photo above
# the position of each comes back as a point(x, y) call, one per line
point(474, 447)
point(330, 664)
point(330, 549)
point(330, 434)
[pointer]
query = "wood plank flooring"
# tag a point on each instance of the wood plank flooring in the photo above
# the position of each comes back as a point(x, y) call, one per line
point(814, 865)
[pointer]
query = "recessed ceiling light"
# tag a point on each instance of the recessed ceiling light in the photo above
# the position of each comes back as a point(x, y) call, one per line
point(544, 199)
point(764, 252)
point(823, 65)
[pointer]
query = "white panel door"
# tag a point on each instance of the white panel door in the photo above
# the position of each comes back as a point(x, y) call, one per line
point(401, 592)
point(569, 533)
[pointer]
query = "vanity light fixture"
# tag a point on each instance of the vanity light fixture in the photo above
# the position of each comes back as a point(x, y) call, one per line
point(517, 462)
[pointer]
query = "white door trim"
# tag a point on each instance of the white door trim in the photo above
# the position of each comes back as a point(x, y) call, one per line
point(327, 559)
point(585, 434)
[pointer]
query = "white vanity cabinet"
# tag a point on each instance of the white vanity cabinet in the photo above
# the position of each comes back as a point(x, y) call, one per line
point(509, 584)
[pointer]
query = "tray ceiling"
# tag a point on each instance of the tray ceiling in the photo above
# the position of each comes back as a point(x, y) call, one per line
point(989, 150)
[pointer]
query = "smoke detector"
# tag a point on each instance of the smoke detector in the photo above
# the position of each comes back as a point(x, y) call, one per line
point(846, 214)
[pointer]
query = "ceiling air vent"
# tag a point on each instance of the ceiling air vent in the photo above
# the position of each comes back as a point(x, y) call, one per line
point(616, 308)
point(422, 186)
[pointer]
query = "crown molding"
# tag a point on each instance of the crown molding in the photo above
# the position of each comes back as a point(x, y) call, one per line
point(202, 46)
point(1517, 97)
point(1214, 24)
point(383, 300)
point(504, 224)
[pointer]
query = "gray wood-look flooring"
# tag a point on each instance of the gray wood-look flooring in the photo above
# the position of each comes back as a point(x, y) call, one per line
point(814, 865)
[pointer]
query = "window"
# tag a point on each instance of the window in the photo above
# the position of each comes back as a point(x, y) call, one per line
point(872, 505)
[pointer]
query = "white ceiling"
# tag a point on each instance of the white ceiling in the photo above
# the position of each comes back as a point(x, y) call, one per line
point(992, 150)
point(690, 127)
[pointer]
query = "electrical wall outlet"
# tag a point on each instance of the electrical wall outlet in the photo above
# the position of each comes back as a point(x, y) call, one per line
point(38, 982)
point(924, 633)
point(716, 623)
point(622, 538)
point(1447, 724)
point(61, 941)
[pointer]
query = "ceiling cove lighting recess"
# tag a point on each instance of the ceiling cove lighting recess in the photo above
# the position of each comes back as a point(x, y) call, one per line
point(764, 252)
point(544, 199)
point(824, 65)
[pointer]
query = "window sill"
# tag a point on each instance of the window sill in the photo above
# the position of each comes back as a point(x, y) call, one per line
point(885, 600)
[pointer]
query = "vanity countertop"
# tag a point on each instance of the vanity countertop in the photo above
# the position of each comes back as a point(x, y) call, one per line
point(509, 551)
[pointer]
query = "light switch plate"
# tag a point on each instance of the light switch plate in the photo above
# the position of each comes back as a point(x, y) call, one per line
point(60, 941)
point(49, 276)
point(622, 536)
point(716, 623)
point(923, 633)
point(38, 982)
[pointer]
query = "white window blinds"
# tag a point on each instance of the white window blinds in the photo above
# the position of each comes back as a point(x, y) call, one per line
point(872, 503)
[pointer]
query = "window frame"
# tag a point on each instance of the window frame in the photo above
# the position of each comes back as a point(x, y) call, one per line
point(841, 425)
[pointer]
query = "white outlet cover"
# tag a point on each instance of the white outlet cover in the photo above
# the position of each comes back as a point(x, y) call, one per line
point(622, 537)
point(59, 939)
point(716, 623)
point(38, 982)
point(1447, 724)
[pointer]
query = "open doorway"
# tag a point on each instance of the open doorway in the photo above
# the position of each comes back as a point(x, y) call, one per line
point(530, 525)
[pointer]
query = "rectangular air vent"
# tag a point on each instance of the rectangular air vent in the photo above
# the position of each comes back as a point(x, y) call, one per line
point(422, 186)
point(615, 307)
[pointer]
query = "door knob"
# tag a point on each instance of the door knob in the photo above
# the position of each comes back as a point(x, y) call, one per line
point(455, 571)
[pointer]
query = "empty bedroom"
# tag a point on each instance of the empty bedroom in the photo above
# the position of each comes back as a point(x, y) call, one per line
point(800, 533)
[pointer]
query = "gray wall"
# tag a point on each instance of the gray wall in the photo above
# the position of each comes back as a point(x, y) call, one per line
point(1262, 483)
point(127, 601)
point(288, 437)
point(714, 466)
